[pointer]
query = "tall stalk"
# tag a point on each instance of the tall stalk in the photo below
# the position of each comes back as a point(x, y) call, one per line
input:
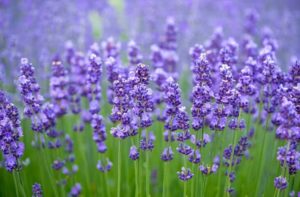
point(119, 169)
point(147, 175)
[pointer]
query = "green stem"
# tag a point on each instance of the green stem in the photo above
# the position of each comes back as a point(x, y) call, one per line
point(262, 158)
point(184, 189)
point(184, 182)
point(197, 181)
point(202, 184)
point(21, 184)
point(165, 185)
point(230, 165)
point(106, 184)
point(83, 155)
point(193, 181)
point(136, 174)
point(220, 170)
point(136, 178)
point(119, 169)
point(147, 175)
point(275, 192)
point(46, 165)
point(16, 184)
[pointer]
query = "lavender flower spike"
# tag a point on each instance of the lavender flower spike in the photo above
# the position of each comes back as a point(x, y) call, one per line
point(280, 183)
point(134, 154)
point(185, 174)
point(76, 190)
point(37, 190)
point(10, 133)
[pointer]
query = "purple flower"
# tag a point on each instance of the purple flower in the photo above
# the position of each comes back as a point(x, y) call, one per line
point(168, 138)
point(147, 142)
point(252, 18)
point(195, 156)
point(202, 70)
point(204, 169)
point(77, 82)
point(37, 190)
point(143, 105)
point(57, 164)
point(30, 92)
point(157, 56)
point(295, 72)
point(168, 46)
point(232, 177)
point(184, 149)
point(75, 190)
point(227, 153)
point(241, 147)
point(280, 183)
point(213, 169)
point(196, 51)
point(134, 154)
point(10, 162)
point(167, 154)
point(69, 144)
point(121, 111)
point(134, 55)
point(216, 164)
point(99, 135)
point(176, 118)
point(289, 118)
point(105, 168)
point(185, 135)
point(227, 100)
point(289, 158)
point(58, 87)
point(111, 48)
point(94, 72)
point(185, 174)
point(10, 133)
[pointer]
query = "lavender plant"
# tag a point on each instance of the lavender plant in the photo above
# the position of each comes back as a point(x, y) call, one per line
point(121, 100)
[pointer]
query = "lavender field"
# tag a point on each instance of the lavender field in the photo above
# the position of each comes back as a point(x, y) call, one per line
point(149, 98)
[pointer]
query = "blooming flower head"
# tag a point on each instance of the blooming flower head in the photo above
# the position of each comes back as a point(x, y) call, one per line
point(280, 183)
point(37, 190)
point(147, 142)
point(106, 168)
point(111, 48)
point(134, 154)
point(195, 156)
point(167, 154)
point(76, 190)
point(29, 89)
point(134, 55)
point(58, 87)
point(10, 133)
point(185, 174)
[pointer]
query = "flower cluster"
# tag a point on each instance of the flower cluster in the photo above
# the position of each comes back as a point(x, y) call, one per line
point(105, 168)
point(30, 92)
point(10, 132)
point(75, 190)
point(210, 170)
point(134, 55)
point(58, 87)
point(185, 174)
point(37, 190)
point(164, 54)
point(94, 97)
point(289, 130)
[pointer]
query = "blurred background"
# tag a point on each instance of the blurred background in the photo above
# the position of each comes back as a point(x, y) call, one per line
point(39, 29)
